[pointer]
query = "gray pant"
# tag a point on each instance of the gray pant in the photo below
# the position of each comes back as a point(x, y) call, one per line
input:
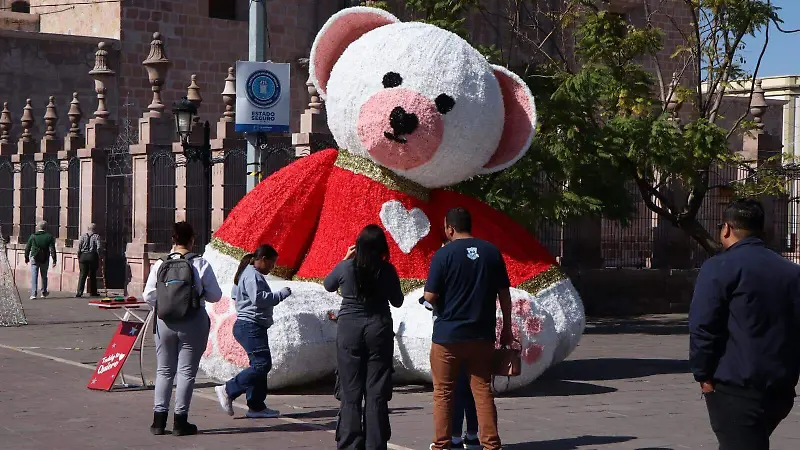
point(179, 346)
point(37, 269)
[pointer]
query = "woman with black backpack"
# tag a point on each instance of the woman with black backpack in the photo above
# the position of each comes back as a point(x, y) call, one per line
point(177, 288)
point(365, 340)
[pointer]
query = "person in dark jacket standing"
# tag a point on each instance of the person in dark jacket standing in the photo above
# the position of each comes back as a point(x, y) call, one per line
point(365, 340)
point(88, 259)
point(41, 247)
point(467, 278)
point(745, 332)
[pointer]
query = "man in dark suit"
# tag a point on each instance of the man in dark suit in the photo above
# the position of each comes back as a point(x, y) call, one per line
point(745, 332)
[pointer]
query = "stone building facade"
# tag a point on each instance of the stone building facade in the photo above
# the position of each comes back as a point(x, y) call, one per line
point(205, 37)
point(49, 50)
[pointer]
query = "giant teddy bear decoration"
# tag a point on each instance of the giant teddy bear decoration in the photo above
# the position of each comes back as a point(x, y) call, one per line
point(413, 109)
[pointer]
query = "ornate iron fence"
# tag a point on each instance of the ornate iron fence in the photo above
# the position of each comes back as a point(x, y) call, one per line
point(27, 207)
point(73, 198)
point(235, 180)
point(161, 197)
point(6, 197)
point(198, 208)
point(51, 206)
point(276, 153)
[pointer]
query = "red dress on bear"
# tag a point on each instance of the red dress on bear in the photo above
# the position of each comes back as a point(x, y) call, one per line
point(313, 209)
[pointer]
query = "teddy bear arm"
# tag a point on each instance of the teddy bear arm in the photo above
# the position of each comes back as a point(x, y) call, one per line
point(281, 211)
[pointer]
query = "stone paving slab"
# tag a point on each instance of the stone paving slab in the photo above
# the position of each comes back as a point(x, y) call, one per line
point(625, 387)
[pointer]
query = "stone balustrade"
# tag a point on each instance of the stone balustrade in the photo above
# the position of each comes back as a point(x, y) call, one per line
point(129, 176)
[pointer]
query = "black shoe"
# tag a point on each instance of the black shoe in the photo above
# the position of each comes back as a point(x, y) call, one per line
point(181, 426)
point(78, 295)
point(159, 423)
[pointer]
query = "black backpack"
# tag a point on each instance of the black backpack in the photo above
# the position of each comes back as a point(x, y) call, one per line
point(176, 294)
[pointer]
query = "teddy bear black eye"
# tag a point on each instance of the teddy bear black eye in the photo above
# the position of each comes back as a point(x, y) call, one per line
point(445, 103)
point(392, 79)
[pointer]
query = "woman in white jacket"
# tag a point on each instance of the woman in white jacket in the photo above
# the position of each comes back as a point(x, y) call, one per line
point(180, 344)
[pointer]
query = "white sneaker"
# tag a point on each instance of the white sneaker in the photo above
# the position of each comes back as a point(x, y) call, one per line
point(45, 294)
point(263, 414)
point(224, 401)
point(32, 297)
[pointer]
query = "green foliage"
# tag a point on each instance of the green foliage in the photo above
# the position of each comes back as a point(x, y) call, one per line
point(377, 4)
point(447, 14)
point(605, 136)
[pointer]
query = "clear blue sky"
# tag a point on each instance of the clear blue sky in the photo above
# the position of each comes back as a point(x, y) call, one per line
point(781, 57)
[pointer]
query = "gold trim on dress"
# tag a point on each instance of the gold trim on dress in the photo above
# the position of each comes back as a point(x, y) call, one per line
point(406, 284)
point(238, 253)
point(363, 166)
point(542, 281)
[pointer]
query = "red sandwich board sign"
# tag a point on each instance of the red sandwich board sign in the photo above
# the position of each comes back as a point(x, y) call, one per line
point(117, 352)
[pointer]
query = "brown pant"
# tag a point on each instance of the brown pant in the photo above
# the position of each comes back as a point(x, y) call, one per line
point(446, 362)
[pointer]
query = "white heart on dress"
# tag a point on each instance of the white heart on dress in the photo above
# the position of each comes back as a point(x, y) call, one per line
point(406, 227)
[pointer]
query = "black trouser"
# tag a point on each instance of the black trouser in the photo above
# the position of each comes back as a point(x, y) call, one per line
point(365, 347)
point(88, 265)
point(744, 419)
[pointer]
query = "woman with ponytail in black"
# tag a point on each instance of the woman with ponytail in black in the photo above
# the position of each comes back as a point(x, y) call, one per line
point(368, 283)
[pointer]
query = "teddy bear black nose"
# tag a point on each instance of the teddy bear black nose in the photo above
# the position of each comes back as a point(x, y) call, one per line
point(402, 122)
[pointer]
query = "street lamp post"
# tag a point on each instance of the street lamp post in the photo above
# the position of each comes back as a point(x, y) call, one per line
point(185, 112)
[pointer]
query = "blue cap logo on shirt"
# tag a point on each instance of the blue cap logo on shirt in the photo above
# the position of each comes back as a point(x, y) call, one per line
point(472, 253)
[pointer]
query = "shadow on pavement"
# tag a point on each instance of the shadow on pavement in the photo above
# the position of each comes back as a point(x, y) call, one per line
point(290, 427)
point(601, 369)
point(544, 387)
point(575, 443)
point(639, 325)
point(316, 414)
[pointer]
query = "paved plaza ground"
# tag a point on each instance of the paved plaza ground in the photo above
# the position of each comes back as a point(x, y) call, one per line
point(626, 387)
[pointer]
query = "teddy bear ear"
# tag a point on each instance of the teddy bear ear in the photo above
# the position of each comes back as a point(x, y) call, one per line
point(341, 30)
point(520, 122)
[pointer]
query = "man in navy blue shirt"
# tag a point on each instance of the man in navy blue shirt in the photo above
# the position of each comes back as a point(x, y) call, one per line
point(466, 278)
point(745, 332)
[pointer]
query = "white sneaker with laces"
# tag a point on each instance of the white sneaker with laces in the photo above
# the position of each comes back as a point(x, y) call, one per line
point(263, 414)
point(32, 297)
point(224, 401)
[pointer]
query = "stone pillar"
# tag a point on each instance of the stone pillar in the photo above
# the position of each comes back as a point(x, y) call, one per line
point(50, 145)
point(154, 129)
point(227, 140)
point(313, 125)
point(758, 149)
point(193, 96)
point(72, 142)
point(581, 244)
point(100, 134)
point(671, 246)
point(25, 146)
point(8, 149)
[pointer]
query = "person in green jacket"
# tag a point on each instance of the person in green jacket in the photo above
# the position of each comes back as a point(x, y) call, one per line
point(41, 246)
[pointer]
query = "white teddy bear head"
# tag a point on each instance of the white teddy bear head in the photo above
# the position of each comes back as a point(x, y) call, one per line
point(417, 99)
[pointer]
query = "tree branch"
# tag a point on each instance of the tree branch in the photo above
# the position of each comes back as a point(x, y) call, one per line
point(778, 26)
point(752, 86)
point(698, 54)
point(644, 191)
point(723, 81)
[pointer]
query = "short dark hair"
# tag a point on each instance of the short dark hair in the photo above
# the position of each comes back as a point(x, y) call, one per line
point(182, 233)
point(460, 219)
point(745, 216)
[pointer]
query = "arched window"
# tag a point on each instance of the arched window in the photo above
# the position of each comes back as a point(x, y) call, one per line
point(21, 7)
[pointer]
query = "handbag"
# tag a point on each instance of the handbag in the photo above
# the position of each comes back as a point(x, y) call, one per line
point(507, 361)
